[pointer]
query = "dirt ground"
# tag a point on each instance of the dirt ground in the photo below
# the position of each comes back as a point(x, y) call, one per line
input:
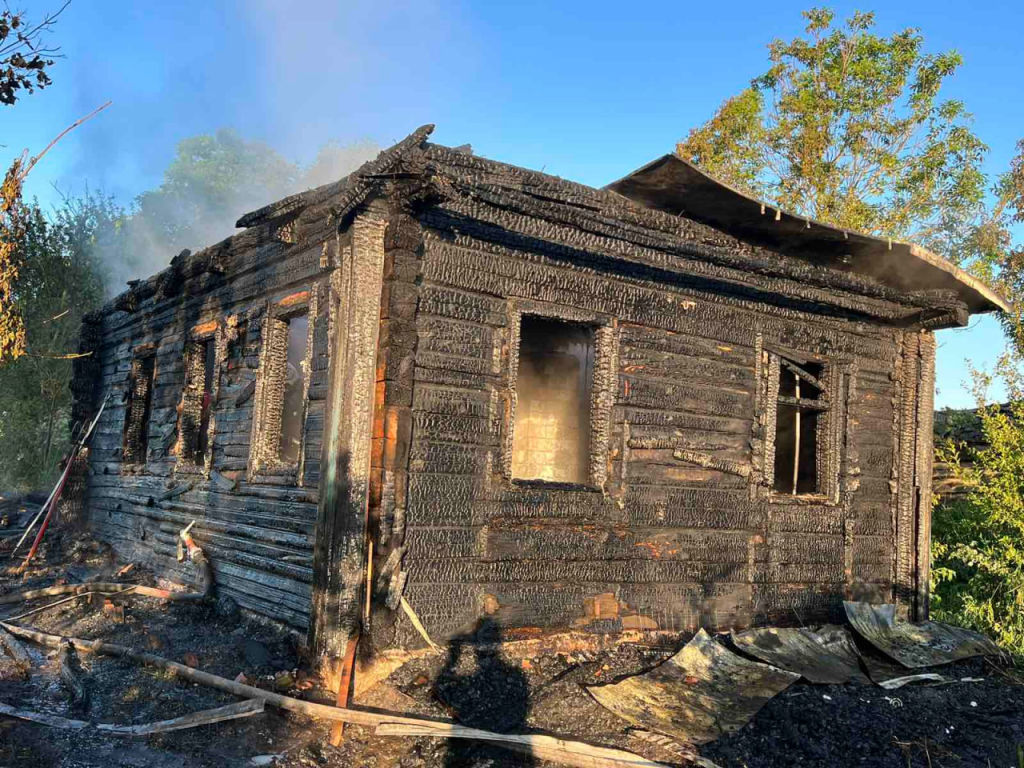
point(960, 724)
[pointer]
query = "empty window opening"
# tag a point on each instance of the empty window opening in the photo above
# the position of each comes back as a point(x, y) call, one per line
point(551, 434)
point(140, 401)
point(801, 402)
point(292, 397)
point(197, 400)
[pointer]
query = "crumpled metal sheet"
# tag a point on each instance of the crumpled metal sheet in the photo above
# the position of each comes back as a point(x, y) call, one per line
point(926, 644)
point(827, 656)
point(703, 692)
point(889, 674)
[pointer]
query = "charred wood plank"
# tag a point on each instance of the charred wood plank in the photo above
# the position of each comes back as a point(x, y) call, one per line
point(71, 676)
point(222, 481)
point(176, 491)
point(245, 394)
point(803, 402)
point(16, 651)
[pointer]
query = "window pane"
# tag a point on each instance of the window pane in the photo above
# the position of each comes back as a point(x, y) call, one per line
point(551, 435)
point(291, 416)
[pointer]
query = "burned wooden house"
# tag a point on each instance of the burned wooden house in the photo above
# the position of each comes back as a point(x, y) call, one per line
point(654, 406)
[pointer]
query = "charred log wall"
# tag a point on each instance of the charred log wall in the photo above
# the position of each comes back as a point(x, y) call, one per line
point(678, 531)
point(664, 543)
point(257, 527)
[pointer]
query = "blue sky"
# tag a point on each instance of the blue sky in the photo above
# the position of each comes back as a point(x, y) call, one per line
point(587, 91)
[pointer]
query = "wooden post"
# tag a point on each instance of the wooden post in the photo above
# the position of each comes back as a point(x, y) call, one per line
point(796, 440)
point(348, 666)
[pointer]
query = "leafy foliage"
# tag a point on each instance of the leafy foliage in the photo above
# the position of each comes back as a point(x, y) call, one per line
point(978, 543)
point(1001, 259)
point(208, 179)
point(12, 228)
point(848, 127)
point(24, 60)
point(59, 282)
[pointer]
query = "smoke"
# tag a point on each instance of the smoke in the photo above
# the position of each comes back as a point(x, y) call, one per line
point(212, 181)
point(308, 84)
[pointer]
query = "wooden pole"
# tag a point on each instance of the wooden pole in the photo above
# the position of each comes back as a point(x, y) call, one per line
point(78, 589)
point(796, 442)
point(206, 717)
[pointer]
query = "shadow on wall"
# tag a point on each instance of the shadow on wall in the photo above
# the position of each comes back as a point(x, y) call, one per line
point(483, 691)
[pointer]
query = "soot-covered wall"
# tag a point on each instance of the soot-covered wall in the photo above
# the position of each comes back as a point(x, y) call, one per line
point(675, 524)
point(177, 442)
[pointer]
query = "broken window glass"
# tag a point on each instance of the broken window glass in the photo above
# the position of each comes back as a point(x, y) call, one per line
point(551, 435)
point(292, 399)
point(802, 400)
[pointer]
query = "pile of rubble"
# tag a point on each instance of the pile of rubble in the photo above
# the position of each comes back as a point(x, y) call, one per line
point(625, 704)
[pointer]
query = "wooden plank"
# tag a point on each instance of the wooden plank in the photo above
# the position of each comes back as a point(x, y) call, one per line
point(206, 717)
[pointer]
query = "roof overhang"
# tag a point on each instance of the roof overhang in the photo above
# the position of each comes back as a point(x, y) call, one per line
point(674, 186)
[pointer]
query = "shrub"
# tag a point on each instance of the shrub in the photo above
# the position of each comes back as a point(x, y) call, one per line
point(978, 543)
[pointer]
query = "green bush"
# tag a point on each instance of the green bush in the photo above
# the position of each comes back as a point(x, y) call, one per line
point(978, 543)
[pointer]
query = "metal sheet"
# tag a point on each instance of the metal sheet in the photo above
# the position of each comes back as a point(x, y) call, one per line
point(825, 656)
point(926, 644)
point(703, 692)
point(677, 187)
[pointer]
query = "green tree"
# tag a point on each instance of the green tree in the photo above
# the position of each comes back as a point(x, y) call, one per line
point(1000, 260)
point(978, 542)
point(59, 282)
point(212, 180)
point(848, 127)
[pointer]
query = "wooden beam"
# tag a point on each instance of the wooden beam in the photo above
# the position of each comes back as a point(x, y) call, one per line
point(537, 745)
point(800, 373)
point(348, 665)
point(803, 402)
point(206, 717)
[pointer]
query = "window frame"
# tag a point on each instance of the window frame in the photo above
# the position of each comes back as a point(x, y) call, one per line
point(832, 423)
point(603, 386)
point(264, 454)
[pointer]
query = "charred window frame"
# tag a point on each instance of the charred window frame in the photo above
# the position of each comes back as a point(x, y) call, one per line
point(282, 388)
point(595, 371)
point(195, 425)
point(805, 419)
point(139, 406)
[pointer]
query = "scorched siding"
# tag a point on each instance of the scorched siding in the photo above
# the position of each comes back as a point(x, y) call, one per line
point(669, 544)
point(258, 535)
